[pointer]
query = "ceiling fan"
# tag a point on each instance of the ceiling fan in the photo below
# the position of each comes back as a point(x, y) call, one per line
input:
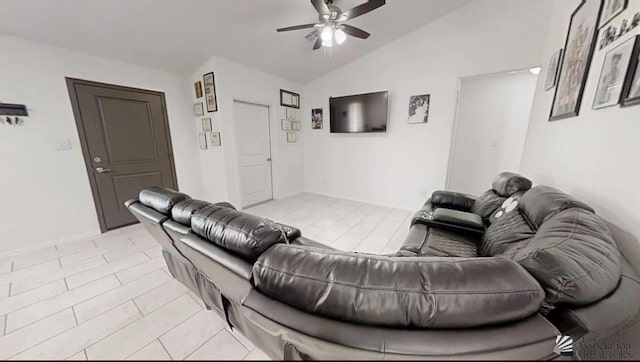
point(331, 25)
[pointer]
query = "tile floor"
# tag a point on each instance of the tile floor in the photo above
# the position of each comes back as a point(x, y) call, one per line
point(112, 297)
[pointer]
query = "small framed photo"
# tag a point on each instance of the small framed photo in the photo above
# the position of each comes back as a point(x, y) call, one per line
point(289, 99)
point(198, 88)
point(286, 125)
point(198, 109)
point(202, 137)
point(552, 70)
point(215, 139)
point(291, 137)
point(206, 124)
point(316, 118)
point(631, 90)
point(419, 108)
point(295, 125)
point(612, 77)
point(611, 9)
point(291, 113)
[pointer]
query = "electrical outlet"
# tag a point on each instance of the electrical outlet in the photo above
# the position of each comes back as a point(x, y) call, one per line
point(63, 145)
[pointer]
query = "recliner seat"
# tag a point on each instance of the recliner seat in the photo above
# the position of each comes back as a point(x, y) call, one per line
point(544, 265)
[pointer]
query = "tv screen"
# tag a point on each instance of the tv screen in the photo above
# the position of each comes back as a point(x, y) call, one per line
point(359, 113)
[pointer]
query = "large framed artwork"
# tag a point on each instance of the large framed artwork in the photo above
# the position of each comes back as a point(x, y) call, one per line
point(210, 97)
point(614, 69)
point(631, 89)
point(579, 47)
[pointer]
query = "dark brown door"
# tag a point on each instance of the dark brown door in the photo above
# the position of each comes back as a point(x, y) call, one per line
point(126, 144)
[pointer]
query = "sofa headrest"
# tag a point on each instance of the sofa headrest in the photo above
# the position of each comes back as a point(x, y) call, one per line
point(244, 234)
point(161, 199)
point(542, 202)
point(507, 183)
point(183, 210)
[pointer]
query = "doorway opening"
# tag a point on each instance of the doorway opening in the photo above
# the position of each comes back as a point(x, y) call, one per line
point(253, 140)
point(490, 128)
point(126, 144)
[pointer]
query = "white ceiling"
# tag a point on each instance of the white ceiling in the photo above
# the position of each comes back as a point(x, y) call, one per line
point(180, 35)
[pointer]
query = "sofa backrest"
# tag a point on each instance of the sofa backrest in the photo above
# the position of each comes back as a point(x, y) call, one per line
point(505, 185)
point(560, 241)
point(161, 199)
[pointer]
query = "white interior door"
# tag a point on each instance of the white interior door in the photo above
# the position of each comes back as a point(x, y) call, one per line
point(254, 152)
point(492, 121)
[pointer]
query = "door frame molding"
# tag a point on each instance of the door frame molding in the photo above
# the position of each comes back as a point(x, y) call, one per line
point(237, 156)
point(77, 114)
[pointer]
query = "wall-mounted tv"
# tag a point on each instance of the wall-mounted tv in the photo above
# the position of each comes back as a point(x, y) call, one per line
point(359, 113)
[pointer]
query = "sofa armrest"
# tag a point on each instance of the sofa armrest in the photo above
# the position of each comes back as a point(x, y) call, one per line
point(408, 292)
point(452, 200)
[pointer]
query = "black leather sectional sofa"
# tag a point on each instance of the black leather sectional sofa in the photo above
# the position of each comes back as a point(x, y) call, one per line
point(499, 276)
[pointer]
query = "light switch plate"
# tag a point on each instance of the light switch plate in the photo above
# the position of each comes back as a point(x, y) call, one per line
point(63, 145)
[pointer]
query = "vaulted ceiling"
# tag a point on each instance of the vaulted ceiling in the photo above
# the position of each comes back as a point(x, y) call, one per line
point(180, 35)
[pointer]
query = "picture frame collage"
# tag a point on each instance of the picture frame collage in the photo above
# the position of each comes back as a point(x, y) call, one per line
point(207, 89)
point(290, 125)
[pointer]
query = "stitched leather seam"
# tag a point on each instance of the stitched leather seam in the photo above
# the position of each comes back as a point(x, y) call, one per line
point(371, 287)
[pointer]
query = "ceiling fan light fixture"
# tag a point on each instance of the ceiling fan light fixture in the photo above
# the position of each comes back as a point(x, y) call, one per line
point(327, 43)
point(340, 36)
point(327, 34)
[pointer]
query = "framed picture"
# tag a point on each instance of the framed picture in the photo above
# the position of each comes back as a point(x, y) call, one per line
point(206, 125)
point(419, 108)
point(316, 118)
point(202, 137)
point(289, 99)
point(197, 109)
point(198, 87)
point(295, 125)
point(210, 92)
point(286, 125)
point(291, 137)
point(614, 69)
point(631, 88)
point(215, 139)
point(291, 113)
point(552, 70)
point(578, 51)
point(611, 9)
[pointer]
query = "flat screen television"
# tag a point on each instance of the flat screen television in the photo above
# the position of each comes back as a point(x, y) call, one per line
point(359, 113)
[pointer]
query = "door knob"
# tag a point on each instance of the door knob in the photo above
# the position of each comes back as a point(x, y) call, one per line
point(102, 170)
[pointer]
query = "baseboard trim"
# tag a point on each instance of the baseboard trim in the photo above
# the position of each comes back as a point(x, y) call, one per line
point(88, 235)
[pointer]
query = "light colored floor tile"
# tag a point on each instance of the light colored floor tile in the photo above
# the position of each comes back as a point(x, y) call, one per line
point(398, 215)
point(3, 319)
point(103, 302)
point(34, 312)
point(241, 338)
point(4, 290)
point(374, 243)
point(353, 219)
point(138, 334)
point(257, 355)
point(387, 228)
point(140, 270)
point(76, 245)
point(151, 352)
point(362, 230)
point(80, 356)
point(80, 337)
point(221, 347)
point(81, 256)
point(76, 280)
point(44, 278)
point(33, 296)
point(20, 340)
point(347, 242)
point(324, 222)
point(196, 298)
point(30, 271)
point(155, 298)
point(312, 231)
point(5, 265)
point(181, 341)
point(155, 252)
point(130, 248)
point(48, 254)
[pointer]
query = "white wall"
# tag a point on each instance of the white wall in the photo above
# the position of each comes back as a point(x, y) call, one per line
point(491, 128)
point(401, 166)
point(219, 164)
point(45, 193)
point(593, 156)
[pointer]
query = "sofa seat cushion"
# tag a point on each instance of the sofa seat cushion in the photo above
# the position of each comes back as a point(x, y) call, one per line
point(161, 199)
point(409, 292)
point(241, 233)
point(441, 242)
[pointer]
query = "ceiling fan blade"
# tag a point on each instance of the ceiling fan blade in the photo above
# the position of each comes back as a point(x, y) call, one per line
point(361, 9)
point(353, 31)
point(317, 44)
point(297, 27)
point(321, 7)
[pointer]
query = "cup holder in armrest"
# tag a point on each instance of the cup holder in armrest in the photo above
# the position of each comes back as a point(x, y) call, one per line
point(453, 220)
